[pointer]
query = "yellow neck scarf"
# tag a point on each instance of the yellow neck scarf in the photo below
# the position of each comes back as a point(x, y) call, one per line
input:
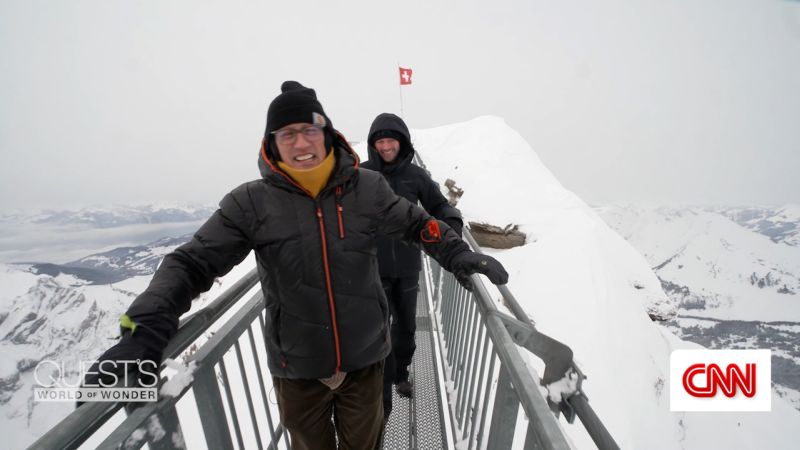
point(313, 179)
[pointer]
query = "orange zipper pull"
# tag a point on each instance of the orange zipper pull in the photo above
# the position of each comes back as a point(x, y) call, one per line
point(339, 210)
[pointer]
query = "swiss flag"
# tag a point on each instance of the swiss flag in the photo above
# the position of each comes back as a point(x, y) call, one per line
point(405, 76)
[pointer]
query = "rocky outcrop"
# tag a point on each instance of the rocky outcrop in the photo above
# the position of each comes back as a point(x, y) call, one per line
point(454, 192)
point(8, 385)
point(495, 237)
point(767, 280)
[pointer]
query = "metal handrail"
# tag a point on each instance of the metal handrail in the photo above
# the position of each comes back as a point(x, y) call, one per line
point(205, 359)
point(558, 357)
point(466, 319)
point(558, 362)
point(470, 321)
point(80, 424)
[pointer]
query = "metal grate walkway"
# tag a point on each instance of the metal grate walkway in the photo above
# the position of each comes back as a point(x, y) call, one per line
point(418, 423)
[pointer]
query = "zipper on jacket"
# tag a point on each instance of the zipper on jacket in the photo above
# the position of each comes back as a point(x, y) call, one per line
point(322, 235)
point(330, 289)
point(339, 210)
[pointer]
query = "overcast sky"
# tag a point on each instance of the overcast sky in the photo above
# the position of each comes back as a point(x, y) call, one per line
point(121, 101)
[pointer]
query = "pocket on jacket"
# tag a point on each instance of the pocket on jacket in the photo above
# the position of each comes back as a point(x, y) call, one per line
point(366, 329)
point(299, 338)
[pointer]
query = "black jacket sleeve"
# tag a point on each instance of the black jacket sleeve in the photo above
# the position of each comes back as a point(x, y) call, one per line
point(401, 219)
point(218, 246)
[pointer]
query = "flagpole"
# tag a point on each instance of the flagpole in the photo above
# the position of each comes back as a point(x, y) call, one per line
point(400, 86)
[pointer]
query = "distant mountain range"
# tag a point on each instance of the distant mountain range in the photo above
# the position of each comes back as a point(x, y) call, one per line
point(115, 265)
point(779, 224)
point(114, 216)
point(64, 236)
point(65, 312)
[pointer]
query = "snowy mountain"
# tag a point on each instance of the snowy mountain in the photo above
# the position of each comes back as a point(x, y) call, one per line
point(67, 313)
point(735, 284)
point(583, 284)
point(115, 265)
point(779, 224)
point(60, 318)
point(579, 280)
point(713, 266)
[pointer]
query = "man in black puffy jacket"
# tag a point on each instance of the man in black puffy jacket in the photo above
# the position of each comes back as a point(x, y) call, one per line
point(312, 220)
point(391, 153)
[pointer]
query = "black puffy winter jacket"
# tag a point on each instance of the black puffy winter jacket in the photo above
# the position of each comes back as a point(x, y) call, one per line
point(397, 258)
point(326, 309)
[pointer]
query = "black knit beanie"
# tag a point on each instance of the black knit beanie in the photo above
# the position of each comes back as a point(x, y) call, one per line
point(295, 104)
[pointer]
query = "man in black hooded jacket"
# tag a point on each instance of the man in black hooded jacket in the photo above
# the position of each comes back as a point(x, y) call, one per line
point(312, 220)
point(391, 153)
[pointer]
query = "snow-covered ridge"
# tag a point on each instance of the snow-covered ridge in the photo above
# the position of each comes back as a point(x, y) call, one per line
point(583, 284)
point(711, 264)
point(68, 319)
point(60, 318)
point(67, 313)
point(736, 286)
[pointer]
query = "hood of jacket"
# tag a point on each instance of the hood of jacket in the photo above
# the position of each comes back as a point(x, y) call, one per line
point(346, 166)
point(389, 121)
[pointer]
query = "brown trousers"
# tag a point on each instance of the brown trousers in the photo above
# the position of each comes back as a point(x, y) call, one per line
point(356, 406)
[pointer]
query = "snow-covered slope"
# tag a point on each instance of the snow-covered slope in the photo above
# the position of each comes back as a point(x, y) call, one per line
point(59, 318)
point(64, 318)
point(578, 280)
point(713, 266)
point(736, 286)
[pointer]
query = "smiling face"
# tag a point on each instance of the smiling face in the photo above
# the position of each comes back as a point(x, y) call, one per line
point(388, 148)
point(301, 145)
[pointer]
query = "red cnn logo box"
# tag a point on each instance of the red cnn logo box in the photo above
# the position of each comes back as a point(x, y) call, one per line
point(720, 380)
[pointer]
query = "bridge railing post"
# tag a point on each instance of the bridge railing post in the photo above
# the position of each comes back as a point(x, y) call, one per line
point(504, 414)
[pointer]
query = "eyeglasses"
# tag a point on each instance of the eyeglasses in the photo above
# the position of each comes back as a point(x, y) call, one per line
point(288, 136)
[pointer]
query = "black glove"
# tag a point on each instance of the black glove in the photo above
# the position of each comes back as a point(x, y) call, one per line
point(466, 263)
point(135, 358)
point(456, 224)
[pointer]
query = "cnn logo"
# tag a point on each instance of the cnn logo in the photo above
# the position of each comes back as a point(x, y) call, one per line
point(720, 380)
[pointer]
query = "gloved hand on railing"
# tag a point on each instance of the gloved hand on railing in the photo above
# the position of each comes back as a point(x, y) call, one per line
point(133, 362)
point(466, 263)
point(456, 224)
